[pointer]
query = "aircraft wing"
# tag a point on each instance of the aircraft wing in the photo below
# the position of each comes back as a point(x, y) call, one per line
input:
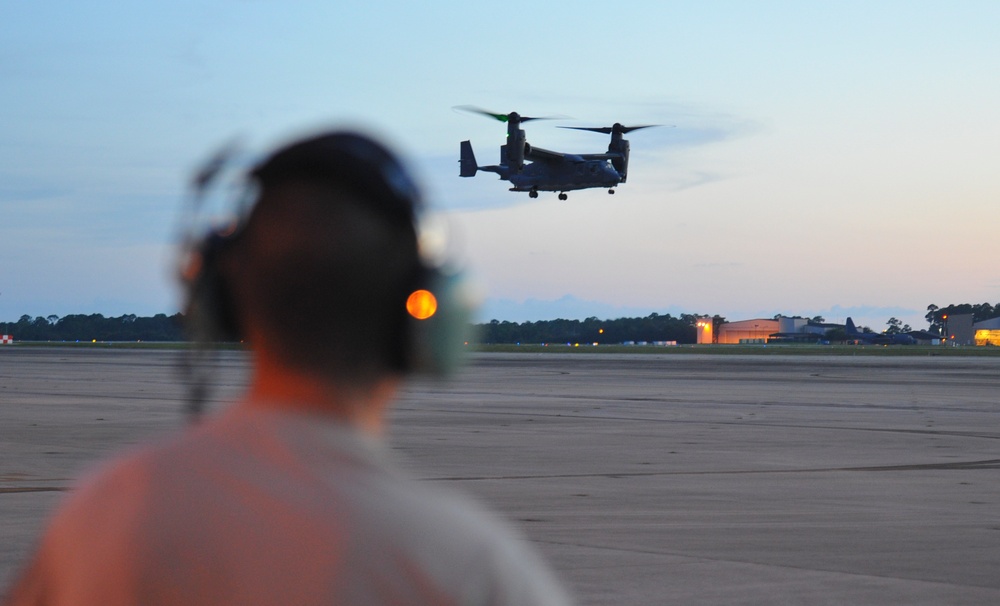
point(545, 155)
point(599, 156)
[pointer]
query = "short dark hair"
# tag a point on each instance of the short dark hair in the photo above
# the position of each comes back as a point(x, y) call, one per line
point(327, 258)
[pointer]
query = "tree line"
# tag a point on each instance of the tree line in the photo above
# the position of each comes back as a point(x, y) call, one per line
point(161, 327)
point(95, 327)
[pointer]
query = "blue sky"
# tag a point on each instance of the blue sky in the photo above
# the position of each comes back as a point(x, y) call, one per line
point(826, 159)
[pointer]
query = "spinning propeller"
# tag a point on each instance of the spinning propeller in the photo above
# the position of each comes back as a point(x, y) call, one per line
point(511, 117)
point(608, 130)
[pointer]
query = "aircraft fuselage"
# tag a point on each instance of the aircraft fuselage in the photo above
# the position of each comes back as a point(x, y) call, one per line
point(565, 176)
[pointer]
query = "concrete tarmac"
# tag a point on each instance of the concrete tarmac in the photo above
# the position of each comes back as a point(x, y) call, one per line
point(645, 479)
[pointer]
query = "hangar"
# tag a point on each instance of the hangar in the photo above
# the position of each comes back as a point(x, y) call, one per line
point(748, 331)
point(987, 332)
point(761, 330)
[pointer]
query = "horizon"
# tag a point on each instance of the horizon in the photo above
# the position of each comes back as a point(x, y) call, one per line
point(610, 314)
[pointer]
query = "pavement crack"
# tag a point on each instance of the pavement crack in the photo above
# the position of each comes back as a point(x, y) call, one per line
point(954, 466)
point(12, 490)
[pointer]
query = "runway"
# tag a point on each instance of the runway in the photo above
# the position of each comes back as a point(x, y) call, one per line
point(646, 479)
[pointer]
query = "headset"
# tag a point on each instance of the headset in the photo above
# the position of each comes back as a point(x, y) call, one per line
point(435, 308)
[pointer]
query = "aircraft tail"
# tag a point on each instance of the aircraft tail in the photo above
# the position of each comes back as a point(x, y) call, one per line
point(468, 166)
point(850, 328)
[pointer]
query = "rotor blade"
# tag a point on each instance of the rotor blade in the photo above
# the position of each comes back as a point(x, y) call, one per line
point(555, 117)
point(607, 130)
point(594, 129)
point(483, 112)
point(628, 129)
point(503, 117)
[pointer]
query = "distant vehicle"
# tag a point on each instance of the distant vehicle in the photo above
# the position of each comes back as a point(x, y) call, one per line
point(533, 169)
point(876, 338)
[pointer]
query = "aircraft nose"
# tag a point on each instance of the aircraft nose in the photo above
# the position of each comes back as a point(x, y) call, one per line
point(611, 174)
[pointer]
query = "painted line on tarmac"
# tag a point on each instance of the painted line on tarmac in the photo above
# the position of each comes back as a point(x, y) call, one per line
point(953, 466)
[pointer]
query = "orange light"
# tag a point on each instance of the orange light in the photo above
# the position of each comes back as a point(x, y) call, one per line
point(421, 304)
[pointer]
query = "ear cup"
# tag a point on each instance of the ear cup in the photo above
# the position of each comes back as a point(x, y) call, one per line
point(438, 323)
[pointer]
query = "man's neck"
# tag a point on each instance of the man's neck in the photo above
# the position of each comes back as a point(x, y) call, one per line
point(276, 386)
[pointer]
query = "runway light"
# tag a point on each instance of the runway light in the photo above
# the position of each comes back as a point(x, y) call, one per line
point(421, 304)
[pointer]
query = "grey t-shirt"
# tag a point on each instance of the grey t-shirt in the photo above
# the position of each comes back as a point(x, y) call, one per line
point(258, 506)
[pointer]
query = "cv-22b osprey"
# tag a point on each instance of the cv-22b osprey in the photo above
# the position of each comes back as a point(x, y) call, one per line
point(533, 169)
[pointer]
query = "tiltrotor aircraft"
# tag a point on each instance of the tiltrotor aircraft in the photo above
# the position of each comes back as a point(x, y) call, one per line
point(533, 169)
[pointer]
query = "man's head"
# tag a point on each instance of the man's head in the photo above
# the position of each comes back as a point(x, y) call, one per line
point(319, 274)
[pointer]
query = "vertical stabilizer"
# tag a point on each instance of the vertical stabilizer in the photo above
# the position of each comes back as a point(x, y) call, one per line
point(850, 328)
point(467, 160)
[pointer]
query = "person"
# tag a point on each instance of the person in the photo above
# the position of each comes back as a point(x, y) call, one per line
point(289, 496)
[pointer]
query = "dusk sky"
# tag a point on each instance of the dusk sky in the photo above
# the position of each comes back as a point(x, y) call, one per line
point(835, 159)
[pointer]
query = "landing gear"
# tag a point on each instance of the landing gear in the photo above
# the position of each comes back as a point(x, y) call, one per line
point(533, 193)
point(611, 191)
point(563, 196)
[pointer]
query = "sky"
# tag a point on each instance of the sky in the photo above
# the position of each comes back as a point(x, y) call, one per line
point(816, 158)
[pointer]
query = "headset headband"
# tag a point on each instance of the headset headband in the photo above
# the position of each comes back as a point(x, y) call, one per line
point(350, 160)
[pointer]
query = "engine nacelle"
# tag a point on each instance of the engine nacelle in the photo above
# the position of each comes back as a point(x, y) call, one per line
point(516, 149)
point(621, 163)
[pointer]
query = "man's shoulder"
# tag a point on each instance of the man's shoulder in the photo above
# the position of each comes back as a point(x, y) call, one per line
point(132, 472)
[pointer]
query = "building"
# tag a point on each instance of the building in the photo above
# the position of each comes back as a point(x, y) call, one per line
point(924, 337)
point(748, 331)
point(959, 330)
point(987, 332)
point(705, 334)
